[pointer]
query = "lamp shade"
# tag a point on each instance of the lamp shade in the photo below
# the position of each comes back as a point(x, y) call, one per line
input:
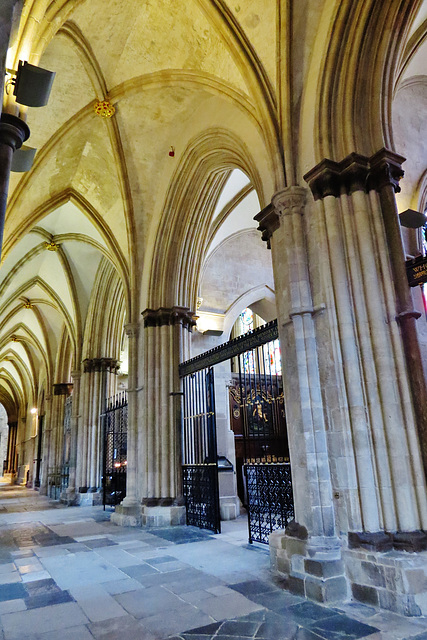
point(412, 219)
point(22, 159)
point(33, 85)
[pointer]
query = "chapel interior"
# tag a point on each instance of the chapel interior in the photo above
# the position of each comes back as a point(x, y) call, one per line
point(205, 173)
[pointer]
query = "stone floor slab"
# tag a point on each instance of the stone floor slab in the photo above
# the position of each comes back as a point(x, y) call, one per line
point(58, 617)
point(180, 619)
point(126, 628)
point(96, 603)
point(229, 606)
point(148, 602)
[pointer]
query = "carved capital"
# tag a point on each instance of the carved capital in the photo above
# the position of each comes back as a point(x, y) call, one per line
point(355, 173)
point(62, 389)
point(76, 374)
point(289, 201)
point(268, 220)
point(324, 179)
point(386, 170)
point(100, 364)
point(172, 316)
point(132, 329)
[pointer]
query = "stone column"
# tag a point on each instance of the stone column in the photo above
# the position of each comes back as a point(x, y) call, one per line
point(165, 336)
point(128, 513)
point(374, 453)
point(71, 491)
point(46, 444)
point(385, 173)
point(94, 385)
point(61, 391)
point(313, 535)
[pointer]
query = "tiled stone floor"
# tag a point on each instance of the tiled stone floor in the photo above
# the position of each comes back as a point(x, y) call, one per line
point(69, 574)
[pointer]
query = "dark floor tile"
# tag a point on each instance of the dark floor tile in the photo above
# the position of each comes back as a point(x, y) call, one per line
point(182, 535)
point(12, 591)
point(306, 613)
point(239, 628)
point(186, 636)
point(305, 634)
point(47, 599)
point(338, 627)
point(41, 587)
point(275, 627)
point(253, 587)
point(96, 543)
point(207, 630)
point(51, 539)
point(278, 601)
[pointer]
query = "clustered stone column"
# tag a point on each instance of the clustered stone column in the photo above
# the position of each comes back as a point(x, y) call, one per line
point(128, 513)
point(283, 227)
point(93, 391)
point(52, 456)
point(74, 428)
point(345, 372)
point(166, 337)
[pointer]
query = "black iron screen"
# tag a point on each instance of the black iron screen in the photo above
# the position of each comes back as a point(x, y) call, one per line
point(270, 502)
point(199, 455)
point(115, 422)
point(262, 454)
point(257, 411)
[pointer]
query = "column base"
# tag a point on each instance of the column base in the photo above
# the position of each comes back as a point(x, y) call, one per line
point(229, 507)
point(310, 567)
point(69, 497)
point(88, 498)
point(393, 580)
point(163, 516)
point(127, 516)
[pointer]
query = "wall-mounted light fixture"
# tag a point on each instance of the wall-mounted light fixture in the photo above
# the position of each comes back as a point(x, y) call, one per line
point(23, 159)
point(412, 219)
point(32, 85)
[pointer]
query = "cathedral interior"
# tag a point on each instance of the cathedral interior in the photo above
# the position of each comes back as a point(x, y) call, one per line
point(228, 191)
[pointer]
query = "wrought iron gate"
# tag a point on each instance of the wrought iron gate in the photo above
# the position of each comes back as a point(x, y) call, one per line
point(199, 457)
point(259, 424)
point(115, 422)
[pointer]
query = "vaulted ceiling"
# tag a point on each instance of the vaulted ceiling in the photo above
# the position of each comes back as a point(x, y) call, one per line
point(98, 186)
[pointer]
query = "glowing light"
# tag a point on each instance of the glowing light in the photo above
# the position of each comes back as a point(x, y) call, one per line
point(33, 411)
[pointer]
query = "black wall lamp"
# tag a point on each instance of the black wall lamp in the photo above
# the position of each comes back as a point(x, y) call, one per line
point(31, 87)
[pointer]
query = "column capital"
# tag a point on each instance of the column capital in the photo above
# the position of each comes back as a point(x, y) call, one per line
point(355, 173)
point(386, 170)
point(169, 316)
point(100, 364)
point(269, 221)
point(132, 329)
point(76, 374)
point(13, 131)
point(284, 202)
point(290, 200)
point(62, 389)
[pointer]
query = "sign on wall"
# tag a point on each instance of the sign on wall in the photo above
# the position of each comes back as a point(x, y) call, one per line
point(416, 271)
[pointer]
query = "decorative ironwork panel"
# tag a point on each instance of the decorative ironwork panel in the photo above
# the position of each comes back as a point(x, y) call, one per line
point(199, 454)
point(270, 501)
point(200, 484)
point(115, 422)
point(68, 409)
point(230, 349)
